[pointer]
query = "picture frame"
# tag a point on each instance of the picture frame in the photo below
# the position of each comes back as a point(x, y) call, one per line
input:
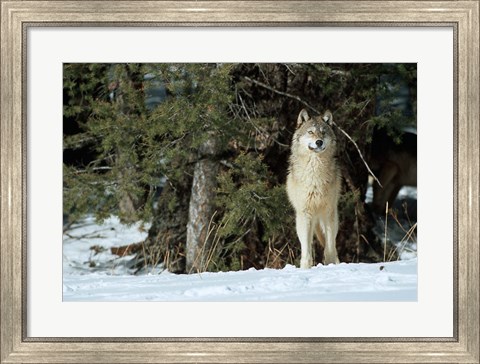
point(17, 16)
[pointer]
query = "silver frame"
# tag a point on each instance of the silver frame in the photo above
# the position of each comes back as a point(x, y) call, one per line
point(17, 16)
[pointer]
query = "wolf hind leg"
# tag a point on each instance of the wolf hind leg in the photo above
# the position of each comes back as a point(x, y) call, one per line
point(319, 233)
point(330, 227)
point(305, 235)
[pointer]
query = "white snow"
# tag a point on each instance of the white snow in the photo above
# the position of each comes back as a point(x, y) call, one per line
point(405, 192)
point(394, 281)
point(79, 258)
point(101, 276)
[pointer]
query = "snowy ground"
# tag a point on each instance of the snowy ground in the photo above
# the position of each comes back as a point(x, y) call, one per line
point(396, 281)
point(97, 275)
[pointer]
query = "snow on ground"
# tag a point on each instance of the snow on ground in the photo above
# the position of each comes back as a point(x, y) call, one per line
point(406, 192)
point(79, 257)
point(97, 275)
point(395, 281)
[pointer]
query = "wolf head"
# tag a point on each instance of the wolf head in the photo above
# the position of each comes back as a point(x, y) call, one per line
point(315, 133)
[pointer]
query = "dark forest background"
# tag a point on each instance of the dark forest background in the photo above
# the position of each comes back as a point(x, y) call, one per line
point(200, 153)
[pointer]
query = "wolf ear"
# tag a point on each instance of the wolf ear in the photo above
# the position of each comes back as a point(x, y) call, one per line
point(328, 117)
point(302, 117)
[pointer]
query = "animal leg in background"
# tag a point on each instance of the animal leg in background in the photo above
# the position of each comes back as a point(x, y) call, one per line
point(386, 193)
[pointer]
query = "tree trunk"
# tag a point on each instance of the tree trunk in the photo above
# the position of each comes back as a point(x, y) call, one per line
point(128, 82)
point(201, 208)
point(129, 203)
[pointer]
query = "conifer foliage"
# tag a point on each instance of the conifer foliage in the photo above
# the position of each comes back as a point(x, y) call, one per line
point(200, 151)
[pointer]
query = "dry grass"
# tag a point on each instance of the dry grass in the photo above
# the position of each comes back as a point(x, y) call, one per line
point(409, 232)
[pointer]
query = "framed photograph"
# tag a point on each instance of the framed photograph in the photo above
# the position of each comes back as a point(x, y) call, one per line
point(235, 92)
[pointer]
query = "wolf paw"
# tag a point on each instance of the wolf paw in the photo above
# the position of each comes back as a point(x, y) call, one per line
point(305, 264)
point(331, 260)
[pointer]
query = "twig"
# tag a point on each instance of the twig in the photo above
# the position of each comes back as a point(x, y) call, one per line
point(385, 241)
point(200, 254)
point(67, 226)
point(286, 94)
point(259, 197)
point(88, 235)
point(404, 241)
point(261, 84)
point(359, 153)
point(363, 108)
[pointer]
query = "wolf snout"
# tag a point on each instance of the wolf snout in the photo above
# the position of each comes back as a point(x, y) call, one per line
point(319, 143)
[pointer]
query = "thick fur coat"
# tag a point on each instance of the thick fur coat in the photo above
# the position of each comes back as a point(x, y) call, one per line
point(313, 185)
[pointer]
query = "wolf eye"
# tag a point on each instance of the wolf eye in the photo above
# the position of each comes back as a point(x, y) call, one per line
point(310, 132)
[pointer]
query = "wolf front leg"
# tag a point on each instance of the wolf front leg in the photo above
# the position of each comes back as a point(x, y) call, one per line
point(305, 235)
point(330, 228)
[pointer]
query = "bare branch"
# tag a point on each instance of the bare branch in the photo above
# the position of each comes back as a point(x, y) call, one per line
point(359, 153)
point(261, 84)
point(286, 94)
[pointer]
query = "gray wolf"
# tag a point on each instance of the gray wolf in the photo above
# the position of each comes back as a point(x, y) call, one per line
point(394, 164)
point(313, 185)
